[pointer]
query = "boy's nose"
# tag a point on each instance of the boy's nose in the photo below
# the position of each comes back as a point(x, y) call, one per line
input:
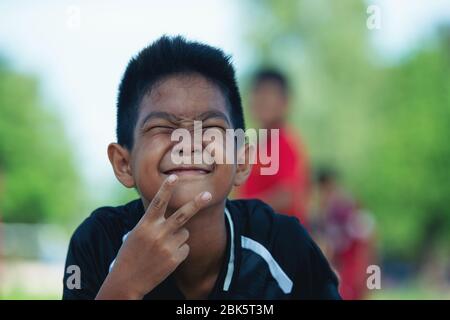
point(193, 146)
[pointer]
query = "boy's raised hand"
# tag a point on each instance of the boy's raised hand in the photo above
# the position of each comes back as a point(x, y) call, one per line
point(154, 248)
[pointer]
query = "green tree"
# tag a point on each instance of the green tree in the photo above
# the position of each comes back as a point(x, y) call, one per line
point(39, 179)
point(410, 155)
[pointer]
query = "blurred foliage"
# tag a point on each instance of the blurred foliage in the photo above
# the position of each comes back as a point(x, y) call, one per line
point(409, 169)
point(38, 180)
point(385, 128)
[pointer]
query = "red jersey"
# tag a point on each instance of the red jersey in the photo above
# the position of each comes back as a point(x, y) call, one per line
point(293, 174)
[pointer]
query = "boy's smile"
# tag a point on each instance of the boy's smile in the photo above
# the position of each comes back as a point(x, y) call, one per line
point(189, 170)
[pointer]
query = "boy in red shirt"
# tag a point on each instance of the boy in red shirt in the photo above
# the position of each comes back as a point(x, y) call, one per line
point(286, 191)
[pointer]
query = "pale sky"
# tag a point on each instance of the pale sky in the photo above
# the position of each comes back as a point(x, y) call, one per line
point(79, 50)
point(406, 22)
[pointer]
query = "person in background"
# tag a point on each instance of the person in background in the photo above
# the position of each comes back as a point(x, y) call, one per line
point(345, 233)
point(287, 190)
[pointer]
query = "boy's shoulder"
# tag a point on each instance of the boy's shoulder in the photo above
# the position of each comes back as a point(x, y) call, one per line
point(108, 221)
point(283, 241)
point(259, 221)
point(127, 215)
point(95, 243)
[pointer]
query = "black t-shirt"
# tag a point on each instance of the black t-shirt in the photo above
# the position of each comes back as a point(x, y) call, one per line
point(268, 255)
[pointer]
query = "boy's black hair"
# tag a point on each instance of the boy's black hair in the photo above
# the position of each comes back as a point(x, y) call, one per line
point(168, 56)
point(271, 75)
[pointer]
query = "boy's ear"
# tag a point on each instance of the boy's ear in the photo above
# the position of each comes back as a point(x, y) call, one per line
point(120, 161)
point(245, 157)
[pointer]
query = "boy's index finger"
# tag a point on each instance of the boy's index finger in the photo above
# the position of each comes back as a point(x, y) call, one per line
point(158, 206)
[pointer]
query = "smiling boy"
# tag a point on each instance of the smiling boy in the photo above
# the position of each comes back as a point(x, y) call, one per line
point(183, 239)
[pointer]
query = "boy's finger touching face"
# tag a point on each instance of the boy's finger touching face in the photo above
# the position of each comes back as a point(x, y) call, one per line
point(157, 207)
point(186, 212)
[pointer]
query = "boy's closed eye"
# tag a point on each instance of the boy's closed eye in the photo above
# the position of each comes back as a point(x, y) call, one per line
point(214, 126)
point(161, 128)
point(157, 126)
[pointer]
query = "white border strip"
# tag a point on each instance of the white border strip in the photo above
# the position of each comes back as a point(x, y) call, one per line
point(277, 273)
point(123, 240)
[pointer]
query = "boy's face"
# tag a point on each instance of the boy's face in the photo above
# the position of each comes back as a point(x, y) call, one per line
point(268, 104)
point(176, 102)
